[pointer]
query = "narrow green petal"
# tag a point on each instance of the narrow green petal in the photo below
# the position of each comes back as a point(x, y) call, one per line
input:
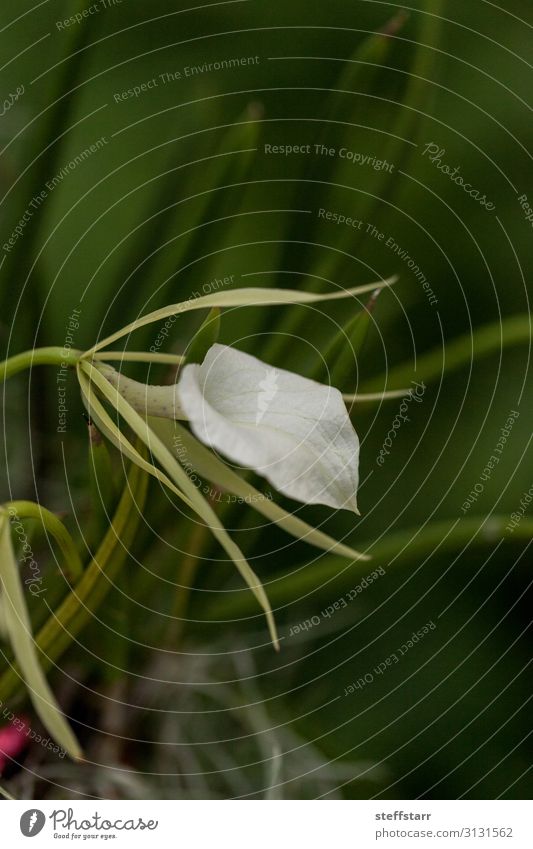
point(238, 298)
point(375, 396)
point(208, 465)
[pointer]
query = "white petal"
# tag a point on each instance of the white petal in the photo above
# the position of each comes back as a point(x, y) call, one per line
point(293, 431)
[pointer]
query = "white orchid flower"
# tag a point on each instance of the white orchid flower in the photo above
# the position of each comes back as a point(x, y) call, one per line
point(293, 431)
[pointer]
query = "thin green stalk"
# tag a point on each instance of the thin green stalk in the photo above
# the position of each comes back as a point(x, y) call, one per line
point(55, 356)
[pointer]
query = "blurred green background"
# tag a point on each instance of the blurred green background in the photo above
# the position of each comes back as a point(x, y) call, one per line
point(182, 191)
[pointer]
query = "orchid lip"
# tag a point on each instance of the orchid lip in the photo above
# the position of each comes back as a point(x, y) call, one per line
point(293, 431)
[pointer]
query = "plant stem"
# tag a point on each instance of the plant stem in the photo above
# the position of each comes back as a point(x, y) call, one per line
point(55, 356)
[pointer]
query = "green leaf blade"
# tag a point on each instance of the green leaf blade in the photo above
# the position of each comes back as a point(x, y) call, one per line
point(24, 648)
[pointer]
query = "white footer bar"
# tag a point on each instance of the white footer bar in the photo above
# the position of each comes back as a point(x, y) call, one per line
point(270, 825)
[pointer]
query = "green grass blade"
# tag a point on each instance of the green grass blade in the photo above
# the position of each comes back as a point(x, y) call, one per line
point(361, 71)
point(460, 353)
point(326, 581)
point(338, 264)
point(339, 362)
point(205, 337)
